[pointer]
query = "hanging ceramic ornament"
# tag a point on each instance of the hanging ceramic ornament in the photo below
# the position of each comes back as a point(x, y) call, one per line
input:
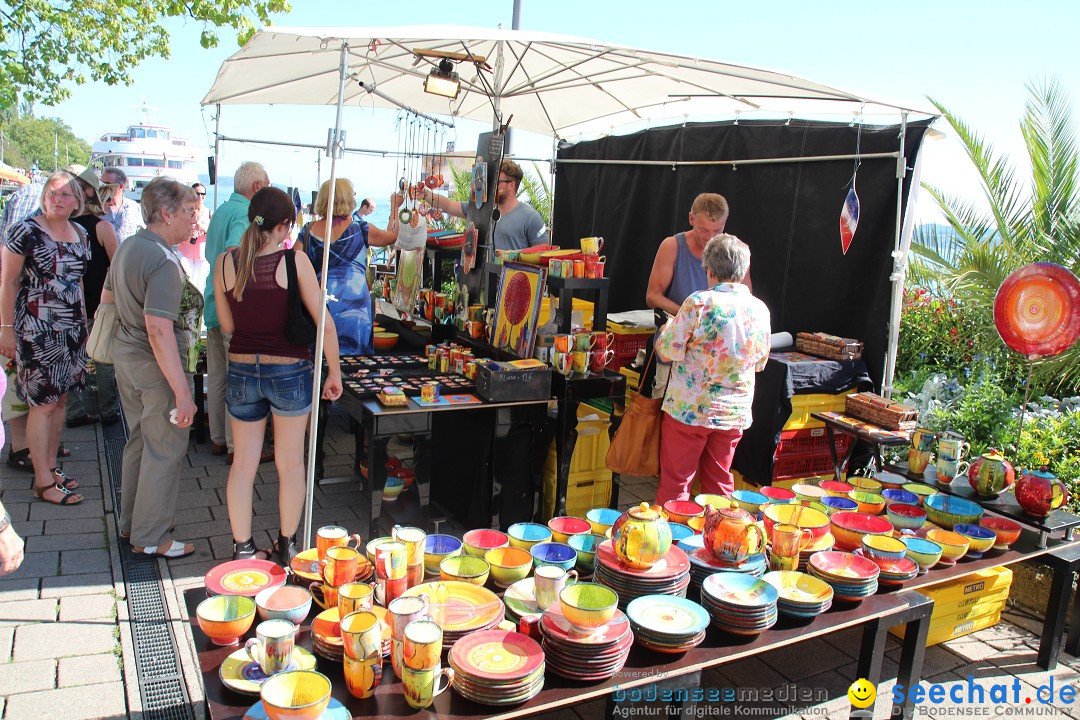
point(468, 248)
point(479, 188)
point(1037, 310)
point(849, 217)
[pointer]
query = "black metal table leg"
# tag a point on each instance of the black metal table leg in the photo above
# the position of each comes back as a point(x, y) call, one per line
point(1072, 641)
point(1054, 626)
point(565, 440)
point(912, 654)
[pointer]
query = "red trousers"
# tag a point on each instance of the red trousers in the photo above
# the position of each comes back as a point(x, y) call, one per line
point(689, 451)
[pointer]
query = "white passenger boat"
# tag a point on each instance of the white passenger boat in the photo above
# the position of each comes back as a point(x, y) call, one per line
point(145, 151)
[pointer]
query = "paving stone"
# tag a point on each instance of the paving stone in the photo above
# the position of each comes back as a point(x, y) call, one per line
point(196, 499)
point(75, 562)
point(46, 640)
point(40, 564)
point(220, 512)
point(202, 552)
point(87, 607)
point(192, 472)
point(7, 641)
point(194, 571)
point(88, 584)
point(76, 526)
point(203, 529)
point(88, 508)
point(188, 516)
point(19, 587)
point(971, 650)
point(88, 670)
point(82, 541)
point(21, 612)
point(23, 677)
point(74, 703)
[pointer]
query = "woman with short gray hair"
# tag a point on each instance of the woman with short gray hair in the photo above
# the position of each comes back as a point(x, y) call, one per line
point(715, 344)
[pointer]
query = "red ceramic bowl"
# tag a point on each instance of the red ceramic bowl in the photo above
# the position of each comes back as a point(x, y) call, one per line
point(563, 527)
point(849, 528)
point(835, 488)
point(407, 475)
point(906, 517)
point(478, 542)
point(682, 510)
point(777, 494)
point(1006, 530)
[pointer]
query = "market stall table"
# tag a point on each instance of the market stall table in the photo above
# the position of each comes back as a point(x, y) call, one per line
point(878, 438)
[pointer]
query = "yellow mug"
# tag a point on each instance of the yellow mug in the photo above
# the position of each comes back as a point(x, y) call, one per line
point(592, 245)
point(354, 597)
point(423, 686)
point(422, 646)
point(361, 633)
point(363, 675)
point(579, 361)
point(324, 595)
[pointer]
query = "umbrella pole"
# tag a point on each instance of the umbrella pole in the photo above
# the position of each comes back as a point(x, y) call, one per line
point(217, 149)
point(316, 388)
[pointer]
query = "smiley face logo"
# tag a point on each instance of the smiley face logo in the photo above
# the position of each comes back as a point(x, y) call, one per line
point(862, 693)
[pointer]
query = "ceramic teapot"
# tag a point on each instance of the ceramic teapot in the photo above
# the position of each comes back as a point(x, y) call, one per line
point(641, 536)
point(1039, 493)
point(990, 474)
point(732, 535)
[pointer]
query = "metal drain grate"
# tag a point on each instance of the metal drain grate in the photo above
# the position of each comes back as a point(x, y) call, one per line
point(157, 661)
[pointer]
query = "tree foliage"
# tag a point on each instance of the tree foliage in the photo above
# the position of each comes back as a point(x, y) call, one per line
point(28, 140)
point(46, 46)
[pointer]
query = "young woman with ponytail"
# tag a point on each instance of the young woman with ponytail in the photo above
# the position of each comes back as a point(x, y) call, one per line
point(267, 373)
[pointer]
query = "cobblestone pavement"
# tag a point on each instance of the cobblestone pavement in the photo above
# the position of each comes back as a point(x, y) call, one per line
point(66, 648)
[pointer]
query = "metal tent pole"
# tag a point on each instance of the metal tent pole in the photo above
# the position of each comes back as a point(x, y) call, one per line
point(316, 388)
point(217, 149)
point(899, 268)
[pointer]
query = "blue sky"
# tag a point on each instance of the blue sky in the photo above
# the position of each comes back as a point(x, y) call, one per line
point(975, 57)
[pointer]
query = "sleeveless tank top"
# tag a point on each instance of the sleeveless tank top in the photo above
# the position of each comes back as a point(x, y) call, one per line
point(97, 268)
point(259, 319)
point(687, 276)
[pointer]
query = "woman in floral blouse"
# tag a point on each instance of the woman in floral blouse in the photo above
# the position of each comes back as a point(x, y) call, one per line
point(716, 343)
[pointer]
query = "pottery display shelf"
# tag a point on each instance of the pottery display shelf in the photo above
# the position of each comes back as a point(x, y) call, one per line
point(878, 437)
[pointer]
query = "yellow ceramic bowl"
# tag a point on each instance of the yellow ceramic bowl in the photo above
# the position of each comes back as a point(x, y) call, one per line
point(883, 547)
point(953, 545)
point(920, 491)
point(508, 565)
point(225, 618)
point(869, 502)
point(717, 501)
point(601, 519)
point(296, 695)
point(563, 527)
point(697, 524)
point(465, 568)
point(372, 544)
point(587, 606)
point(863, 483)
point(807, 493)
point(524, 535)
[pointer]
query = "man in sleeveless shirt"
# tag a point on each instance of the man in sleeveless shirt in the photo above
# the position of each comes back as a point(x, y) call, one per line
point(677, 270)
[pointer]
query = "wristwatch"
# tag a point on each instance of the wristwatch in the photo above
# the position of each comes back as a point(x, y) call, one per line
point(5, 522)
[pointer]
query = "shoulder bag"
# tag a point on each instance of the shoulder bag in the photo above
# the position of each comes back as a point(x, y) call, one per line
point(99, 345)
point(300, 329)
point(635, 449)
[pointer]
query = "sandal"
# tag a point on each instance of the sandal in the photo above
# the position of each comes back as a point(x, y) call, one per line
point(247, 551)
point(69, 483)
point(285, 550)
point(173, 550)
point(67, 497)
point(20, 460)
point(61, 451)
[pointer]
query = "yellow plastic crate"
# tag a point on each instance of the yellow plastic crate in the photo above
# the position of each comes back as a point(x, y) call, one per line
point(629, 329)
point(592, 442)
point(584, 491)
point(633, 379)
point(965, 605)
point(989, 581)
point(803, 405)
point(584, 306)
point(939, 633)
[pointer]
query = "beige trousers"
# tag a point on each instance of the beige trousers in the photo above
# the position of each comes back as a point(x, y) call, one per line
point(217, 378)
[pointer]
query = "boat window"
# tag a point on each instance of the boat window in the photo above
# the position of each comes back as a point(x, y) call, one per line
point(176, 164)
point(138, 132)
point(153, 162)
point(134, 162)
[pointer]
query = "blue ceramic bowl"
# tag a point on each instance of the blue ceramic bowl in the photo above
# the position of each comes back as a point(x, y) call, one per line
point(900, 496)
point(437, 548)
point(678, 532)
point(948, 511)
point(525, 535)
point(836, 504)
point(585, 546)
point(553, 553)
point(602, 519)
point(981, 539)
point(749, 500)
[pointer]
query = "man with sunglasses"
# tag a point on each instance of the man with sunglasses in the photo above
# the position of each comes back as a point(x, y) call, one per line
point(123, 212)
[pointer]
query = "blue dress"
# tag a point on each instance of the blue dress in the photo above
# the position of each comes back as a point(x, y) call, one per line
point(349, 301)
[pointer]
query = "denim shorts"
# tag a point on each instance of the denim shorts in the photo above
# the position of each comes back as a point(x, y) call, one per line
point(255, 390)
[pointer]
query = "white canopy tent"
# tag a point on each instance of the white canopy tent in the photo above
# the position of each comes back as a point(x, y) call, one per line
point(557, 85)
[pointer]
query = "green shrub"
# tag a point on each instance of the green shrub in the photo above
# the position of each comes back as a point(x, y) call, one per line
point(1052, 439)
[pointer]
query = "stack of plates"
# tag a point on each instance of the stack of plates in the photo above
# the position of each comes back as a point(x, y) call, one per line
point(893, 573)
point(670, 576)
point(520, 600)
point(825, 542)
point(577, 656)
point(667, 624)
point(305, 566)
point(852, 577)
point(460, 607)
point(692, 543)
point(703, 564)
point(801, 595)
point(326, 634)
point(496, 667)
point(243, 577)
point(739, 603)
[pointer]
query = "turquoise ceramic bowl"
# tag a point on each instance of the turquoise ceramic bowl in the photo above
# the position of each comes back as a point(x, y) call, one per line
point(601, 519)
point(585, 546)
point(749, 500)
point(678, 532)
point(553, 553)
point(949, 511)
point(924, 552)
point(525, 535)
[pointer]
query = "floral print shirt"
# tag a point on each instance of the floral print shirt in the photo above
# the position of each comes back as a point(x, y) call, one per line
point(716, 343)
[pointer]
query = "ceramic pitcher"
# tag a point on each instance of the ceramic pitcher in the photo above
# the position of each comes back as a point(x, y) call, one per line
point(641, 536)
point(1039, 492)
point(732, 535)
point(990, 474)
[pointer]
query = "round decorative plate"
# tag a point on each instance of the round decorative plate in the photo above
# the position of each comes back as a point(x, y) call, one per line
point(244, 577)
point(834, 564)
point(737, 589)
point(497, 655)
point(675, 562)
point(668, 615)
point(1037, 310)
point(460, 607)
point(240, 673)
point(555, 625)
point(798, 587)
point(334, 711)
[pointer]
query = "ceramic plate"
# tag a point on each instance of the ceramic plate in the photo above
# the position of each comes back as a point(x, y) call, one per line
point(844, 566)
point(460, 607)
point(674, 563)
point(497, 655)
point(238, 672)
point(667, 615)
point(739, 590)
point(554, 624)
point(799, 588)
point(244, 577)
point(334, 711)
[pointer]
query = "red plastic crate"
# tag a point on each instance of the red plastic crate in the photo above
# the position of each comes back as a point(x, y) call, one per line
point(626, 348)
point(802, 465)
point(811, 440)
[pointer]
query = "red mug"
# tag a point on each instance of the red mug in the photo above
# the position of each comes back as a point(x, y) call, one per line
point(602, 340)
point(598, 360)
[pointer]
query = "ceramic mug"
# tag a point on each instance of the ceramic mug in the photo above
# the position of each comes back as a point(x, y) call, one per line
point(562, 362)
point(563, 343)
point(405, 610)
point(324, 595)
point(579, 268)
point(388, 589)
point(413, 539)
point(272, 646)
point(423, 686)
point(602, 340)
point(361, 633)
point(396, 653)
point(592, 245)
point(476, 313)
point(341, 565)
point(329, 536)
point(789, 540)
point(952, 448)
point(579, 361)
point(391, 560)
point(421, 648)
point(917, 460)
point(598, 359)
point(548, 582)
point(949, 469)
point(922, 439)
point(363, 675)
point(555, 268)
point(354, 597)
point(783, 562)
point(582, 342)
point(475, 329)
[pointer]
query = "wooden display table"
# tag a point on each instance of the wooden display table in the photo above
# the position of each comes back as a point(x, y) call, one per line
point(877, 437)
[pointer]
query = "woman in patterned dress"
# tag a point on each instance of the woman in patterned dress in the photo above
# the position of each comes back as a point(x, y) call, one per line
point(715, 344)
point(43, 322)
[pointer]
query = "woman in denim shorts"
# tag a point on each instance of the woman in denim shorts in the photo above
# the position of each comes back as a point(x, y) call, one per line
point(268, 374)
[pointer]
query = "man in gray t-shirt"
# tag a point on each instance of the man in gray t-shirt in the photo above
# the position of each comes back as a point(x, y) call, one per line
point(519, 225)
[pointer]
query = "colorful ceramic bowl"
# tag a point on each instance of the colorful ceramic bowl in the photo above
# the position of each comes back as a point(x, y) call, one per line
point(903, 497)
point(891, 480)
point(525, 535)
point(478, 542)
point(284, 602)
point(585, 547)
point(678, 532)
point(848, 528)
point(682, 510)
point(553, 553)
point(392, 488)
point(508, 565)
point(864, 483)
point(697, 524)
point(385, 340)
point(407, 475)
point(465, 568)
point(806, 493)
point(749, 501)
point(295, 695)
point(563, 527)
point(437, 548)
point(777, 495)
point(980, 539)
point(924, 552)
point(806, 518)
point(719, 502)
point(953, 545)
point(588, 606)
point(920, 491)
point(601, 519)
point(838, 504)
point(883, 547)
point(836, 488)
point(949, 510)
point(905, 517)
point(225, 618)
point(869, 502)
point(818, 505)
point(1006, 530)
point(369, 549)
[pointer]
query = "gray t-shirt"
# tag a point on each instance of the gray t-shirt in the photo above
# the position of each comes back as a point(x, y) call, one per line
point(518, 229)
point(150, 285)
